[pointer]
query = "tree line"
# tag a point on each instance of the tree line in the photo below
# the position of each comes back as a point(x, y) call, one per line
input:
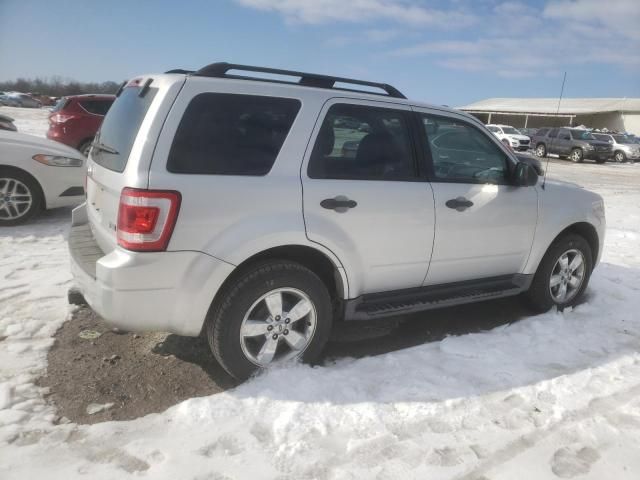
point(57, 86)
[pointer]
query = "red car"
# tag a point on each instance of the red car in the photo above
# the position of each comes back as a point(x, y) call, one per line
point(75, 120)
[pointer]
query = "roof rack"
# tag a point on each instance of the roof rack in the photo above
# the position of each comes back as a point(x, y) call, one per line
point(306, 79)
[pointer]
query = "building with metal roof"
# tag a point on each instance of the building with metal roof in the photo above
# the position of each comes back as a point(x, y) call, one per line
point(619, 114)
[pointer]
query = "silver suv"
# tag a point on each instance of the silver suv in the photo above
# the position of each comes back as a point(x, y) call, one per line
point(260, 211)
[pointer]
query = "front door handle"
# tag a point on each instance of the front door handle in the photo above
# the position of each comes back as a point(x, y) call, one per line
point(339, 203)
point(460, 204)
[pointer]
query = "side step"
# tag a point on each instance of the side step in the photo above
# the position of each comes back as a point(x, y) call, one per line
point(376, 305)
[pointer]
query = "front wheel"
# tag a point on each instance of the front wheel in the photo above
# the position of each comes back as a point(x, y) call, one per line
point(274, 312)
point(562, 276)
point(577, 155)
point(620, 157)
point(20, 198)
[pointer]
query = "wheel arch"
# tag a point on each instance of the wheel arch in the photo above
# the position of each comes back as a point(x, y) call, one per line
point(586, 231)
point(12, 168)
point(332, 275)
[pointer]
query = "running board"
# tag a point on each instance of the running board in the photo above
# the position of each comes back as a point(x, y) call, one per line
point(377, 305)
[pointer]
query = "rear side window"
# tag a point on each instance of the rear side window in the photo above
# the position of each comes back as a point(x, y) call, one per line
point(358, 142)
point(113, 144)
point(229, 134)
point(97, 107)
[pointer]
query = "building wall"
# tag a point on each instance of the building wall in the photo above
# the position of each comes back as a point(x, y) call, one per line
point(632, 122)
point(618, 121)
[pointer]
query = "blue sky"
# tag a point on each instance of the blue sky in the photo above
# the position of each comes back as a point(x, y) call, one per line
point(446, 52)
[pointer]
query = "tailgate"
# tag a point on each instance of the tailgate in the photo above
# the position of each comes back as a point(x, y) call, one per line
point(121, 153)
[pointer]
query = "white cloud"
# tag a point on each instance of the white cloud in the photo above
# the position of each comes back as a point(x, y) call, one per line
point(323, 11)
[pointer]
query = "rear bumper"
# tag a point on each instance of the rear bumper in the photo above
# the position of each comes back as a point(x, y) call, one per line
point(150, 291)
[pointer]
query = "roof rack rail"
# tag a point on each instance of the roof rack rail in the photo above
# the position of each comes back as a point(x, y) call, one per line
point(306, 79)
point(180, 70)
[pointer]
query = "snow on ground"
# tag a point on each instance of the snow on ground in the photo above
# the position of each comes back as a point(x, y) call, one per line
point(29, 120)
point(551, 396)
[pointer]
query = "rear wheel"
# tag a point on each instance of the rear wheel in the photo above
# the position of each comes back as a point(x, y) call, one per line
point(273, 312)
point(577, 155)
point(620, 157)
point(541, 150)
point(563, 274)
point(20, 197)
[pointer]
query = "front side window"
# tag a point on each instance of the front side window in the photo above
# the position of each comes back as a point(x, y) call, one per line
point(230, 134)
point(359, 142)
point(553, 133)
point(461, 153)
point(564, 135)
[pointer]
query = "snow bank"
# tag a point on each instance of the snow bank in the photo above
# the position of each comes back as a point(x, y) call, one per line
point(550, 396)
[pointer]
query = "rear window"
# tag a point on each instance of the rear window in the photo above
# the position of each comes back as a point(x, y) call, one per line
point(62, 103)
point(97, 107)
point(113, 144)
point(229, 134)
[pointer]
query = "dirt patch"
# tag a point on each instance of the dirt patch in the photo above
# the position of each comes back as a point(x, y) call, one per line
point(138, 373)
point(91, 366)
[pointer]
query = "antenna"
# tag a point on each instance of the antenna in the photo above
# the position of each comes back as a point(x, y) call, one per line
point(546, 168)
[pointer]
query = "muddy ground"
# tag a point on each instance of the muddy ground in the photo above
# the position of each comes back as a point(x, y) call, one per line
point(146, 373)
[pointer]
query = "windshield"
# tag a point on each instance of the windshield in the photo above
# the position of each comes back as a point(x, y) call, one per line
point(120, 127)
point(582, 135)
point(510, 131)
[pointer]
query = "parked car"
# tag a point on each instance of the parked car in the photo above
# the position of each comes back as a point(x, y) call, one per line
point(624, 147)
point(75, 120)
point(224, 205)
point(529, 132)
point(573, 143)
point(25, 100)
point(6, 123)
point(8, 101)
point(510, 137)
point(37, 174)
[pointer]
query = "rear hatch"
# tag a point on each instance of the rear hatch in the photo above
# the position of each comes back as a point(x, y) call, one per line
point(122, 150)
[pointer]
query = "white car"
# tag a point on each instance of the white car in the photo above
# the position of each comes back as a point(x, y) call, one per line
point(227, 206)
point(37, 174)
point(510, 137)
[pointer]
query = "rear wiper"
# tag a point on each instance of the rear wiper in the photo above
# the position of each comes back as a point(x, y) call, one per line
point(105, 148)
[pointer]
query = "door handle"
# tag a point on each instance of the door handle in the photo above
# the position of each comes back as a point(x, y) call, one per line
point(339, 204)
point(460, 204)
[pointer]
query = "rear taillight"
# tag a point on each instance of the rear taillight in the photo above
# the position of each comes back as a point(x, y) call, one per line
point(146, 219)
point(60, 118)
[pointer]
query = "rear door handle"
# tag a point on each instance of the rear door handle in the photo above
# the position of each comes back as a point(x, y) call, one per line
point(460, 204)
point(339, 204)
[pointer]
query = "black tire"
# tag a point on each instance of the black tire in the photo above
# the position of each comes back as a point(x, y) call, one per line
point(541, 150)
point(33, 189)
point(85, 146)
point(226, 314)
point(577, 155)
point(620, 156)
point(538, 297)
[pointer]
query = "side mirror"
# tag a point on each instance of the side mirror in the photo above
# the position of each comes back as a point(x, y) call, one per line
point(525, 175)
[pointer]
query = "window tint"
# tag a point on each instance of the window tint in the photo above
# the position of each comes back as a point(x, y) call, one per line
point(97, 107)
point(61, 104)
point(120, 127)
point(541, 132)
point(581, 134)
point(226, 134)
point(363, 143)
point(553, 133)
point(494, 129)
point(462, 153)
point(564, 135)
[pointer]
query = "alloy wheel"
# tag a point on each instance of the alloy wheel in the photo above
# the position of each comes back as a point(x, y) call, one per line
point(567, 276)
point(15, 199)
point(278, 326)
point(540, 151)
